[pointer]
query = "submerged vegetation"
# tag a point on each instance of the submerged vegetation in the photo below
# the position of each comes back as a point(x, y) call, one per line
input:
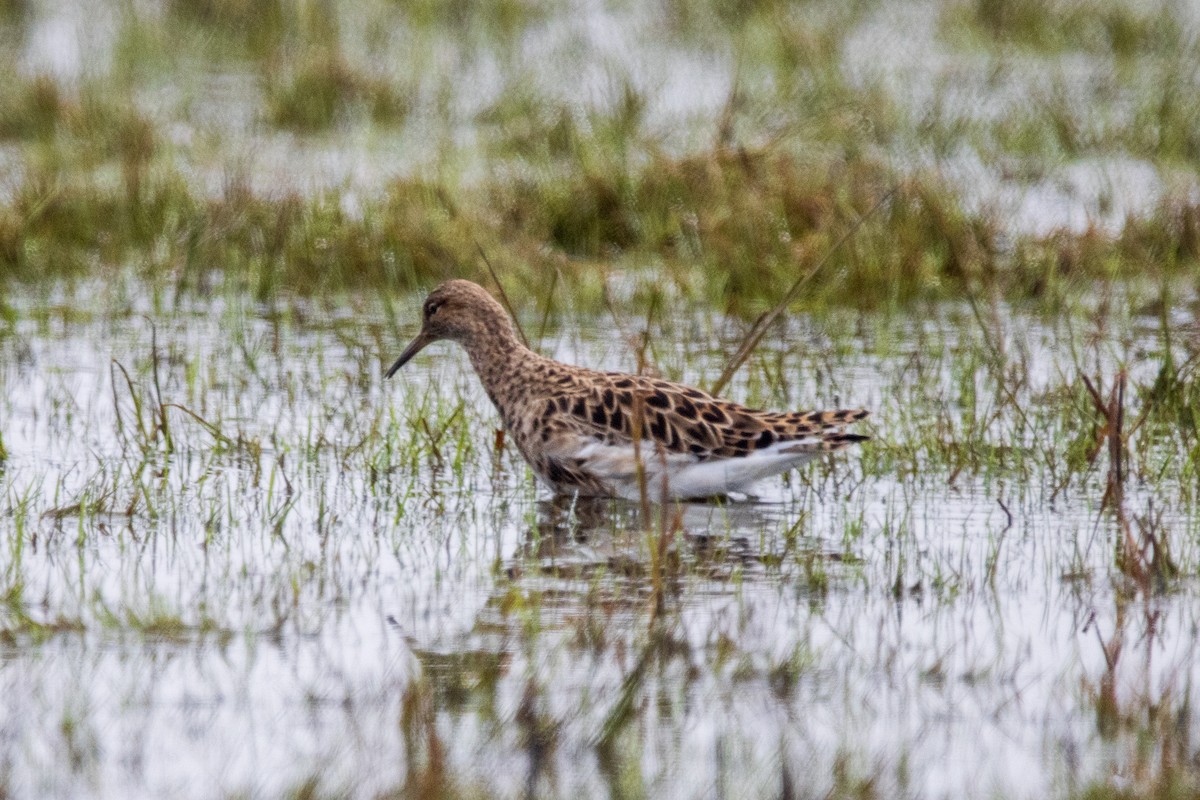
point(234, 561)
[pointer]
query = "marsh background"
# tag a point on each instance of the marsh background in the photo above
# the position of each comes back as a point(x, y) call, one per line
point(234, 562)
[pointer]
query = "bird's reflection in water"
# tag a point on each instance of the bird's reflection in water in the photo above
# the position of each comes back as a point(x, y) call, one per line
point(574, 537)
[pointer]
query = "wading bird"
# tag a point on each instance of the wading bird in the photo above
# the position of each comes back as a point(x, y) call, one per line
point(615, 434)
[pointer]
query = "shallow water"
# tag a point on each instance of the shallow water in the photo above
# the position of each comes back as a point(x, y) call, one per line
point(339, 580)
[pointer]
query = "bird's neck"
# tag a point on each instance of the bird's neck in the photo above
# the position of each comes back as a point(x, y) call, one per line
point(502, 362)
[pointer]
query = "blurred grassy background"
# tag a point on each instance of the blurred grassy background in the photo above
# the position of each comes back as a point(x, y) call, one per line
point(1033, 148)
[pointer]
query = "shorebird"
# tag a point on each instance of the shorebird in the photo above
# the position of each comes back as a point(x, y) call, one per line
point(616, 434)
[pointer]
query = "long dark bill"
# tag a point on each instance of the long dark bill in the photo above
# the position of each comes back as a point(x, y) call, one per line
point(416, 346)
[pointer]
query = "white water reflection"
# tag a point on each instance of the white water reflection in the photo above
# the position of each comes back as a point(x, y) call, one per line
point(249, 615)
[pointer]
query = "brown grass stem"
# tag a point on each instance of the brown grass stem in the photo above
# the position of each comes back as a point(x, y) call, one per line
point(763, 323)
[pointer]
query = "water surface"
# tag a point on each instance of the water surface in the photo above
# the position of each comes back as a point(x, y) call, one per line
point(340, 582)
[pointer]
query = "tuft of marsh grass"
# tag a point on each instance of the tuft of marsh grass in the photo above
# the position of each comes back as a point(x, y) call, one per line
point(1120, 28)
point(320, 88)
point(257, 26)
point(1166, 122)
point(752, 221)
point(31, 109)
point(91, 122)
point(500, 20)
point(1150, 112)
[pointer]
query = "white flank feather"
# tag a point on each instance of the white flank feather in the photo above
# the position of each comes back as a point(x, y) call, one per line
point(682, 475)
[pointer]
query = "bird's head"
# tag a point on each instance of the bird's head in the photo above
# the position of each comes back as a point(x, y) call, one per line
point(460, 311)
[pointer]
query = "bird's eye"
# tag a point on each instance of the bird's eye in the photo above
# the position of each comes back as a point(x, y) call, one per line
point(432, 309)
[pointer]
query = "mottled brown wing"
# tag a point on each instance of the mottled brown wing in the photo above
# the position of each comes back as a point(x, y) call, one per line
point(686, 420)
